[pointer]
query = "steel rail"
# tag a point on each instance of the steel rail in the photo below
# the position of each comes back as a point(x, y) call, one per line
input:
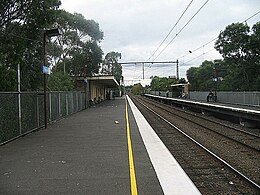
point(212, 130)
point(203, 147)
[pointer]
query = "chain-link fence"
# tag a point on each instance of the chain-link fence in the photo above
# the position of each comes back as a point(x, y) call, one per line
point(23, 112)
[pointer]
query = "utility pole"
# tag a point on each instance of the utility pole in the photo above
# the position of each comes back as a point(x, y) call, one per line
point(177, 69)
point(143, 71)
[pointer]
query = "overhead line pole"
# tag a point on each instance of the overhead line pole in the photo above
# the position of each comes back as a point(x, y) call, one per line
point(155, 62)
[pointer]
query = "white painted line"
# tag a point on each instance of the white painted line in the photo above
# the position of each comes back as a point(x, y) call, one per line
point(171, 176)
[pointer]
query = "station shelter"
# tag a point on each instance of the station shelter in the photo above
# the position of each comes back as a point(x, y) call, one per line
point(180, 90)
point(98, 88)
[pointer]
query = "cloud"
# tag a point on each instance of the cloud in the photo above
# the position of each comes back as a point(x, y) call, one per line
point(135, 28)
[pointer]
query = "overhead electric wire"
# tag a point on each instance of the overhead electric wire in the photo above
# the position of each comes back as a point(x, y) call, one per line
point(181, 29)
point(216, 37)
point(205, 45)
point(199, 48)
point(170, 30)
point(200, 55)
point(252, 16)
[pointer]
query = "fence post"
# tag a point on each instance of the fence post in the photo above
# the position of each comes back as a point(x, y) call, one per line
point(72, 102)
point(19, 113)
point(59, 108)
point(67, 104)
point(19, 99)
point(37, 110)
point(77, 101)
point(50, 118)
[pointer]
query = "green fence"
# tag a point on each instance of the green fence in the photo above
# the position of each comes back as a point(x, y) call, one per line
point(21, 113)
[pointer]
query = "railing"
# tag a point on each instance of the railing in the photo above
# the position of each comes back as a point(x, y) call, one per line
point(242, 98)
point(21, 113)
point(248, 98)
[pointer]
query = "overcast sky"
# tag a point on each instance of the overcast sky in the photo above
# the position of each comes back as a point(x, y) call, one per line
point(135, 28)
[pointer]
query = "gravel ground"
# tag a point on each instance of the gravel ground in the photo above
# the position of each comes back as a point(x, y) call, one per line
point(209, 175)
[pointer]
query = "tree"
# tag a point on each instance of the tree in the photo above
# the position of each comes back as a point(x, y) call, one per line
point(76, 31)
point(13, 10)
point(240, 49)
point(22, 11)
point(60, 82)
point(162, 84)
point(111, 65)
point(78, 51)
point(21, 38)
point(240, 68)
point(21, 42)
point(204, 77)
point(137, 89)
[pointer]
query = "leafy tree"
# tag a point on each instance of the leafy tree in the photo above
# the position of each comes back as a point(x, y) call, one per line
point(85, 61)
point(202, 78)
point(161, 84)
point(240, 68)
point(21, 36)
point(27, 11)
point(137, 89)
point(111, 65)
point(13, 10)
point(240, 49)
point(60, 82)
point(76, 31)
point(77, 50)
point(21, 42)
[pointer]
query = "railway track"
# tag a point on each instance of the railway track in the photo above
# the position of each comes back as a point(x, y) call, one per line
point(217, 163)
point(240, 136)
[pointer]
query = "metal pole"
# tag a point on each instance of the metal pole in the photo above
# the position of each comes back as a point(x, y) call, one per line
point(37, 109)
point(143, 71)
point(45, 82)
point(19, 98)
point(177, 69)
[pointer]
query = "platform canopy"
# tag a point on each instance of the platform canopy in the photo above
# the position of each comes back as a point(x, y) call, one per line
point(108, 81)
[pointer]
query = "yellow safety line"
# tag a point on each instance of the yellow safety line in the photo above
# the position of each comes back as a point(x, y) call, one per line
point(130, 156)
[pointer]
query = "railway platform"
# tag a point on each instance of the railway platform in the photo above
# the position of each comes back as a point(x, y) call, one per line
point(245, 114)
point(106, 149)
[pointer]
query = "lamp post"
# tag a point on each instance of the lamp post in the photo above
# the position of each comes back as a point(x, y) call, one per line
point(46, 70)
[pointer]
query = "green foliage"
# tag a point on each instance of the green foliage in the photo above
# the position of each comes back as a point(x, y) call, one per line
point(21, 42)
point(21, 37)
point(137, 89)
point(27, 11)
point(8, 79)
point(78, 51)
point(240, 68)
point(162, 84)
point(202, 78)
point(59, 81)
point(240, 49)
point(111, 65)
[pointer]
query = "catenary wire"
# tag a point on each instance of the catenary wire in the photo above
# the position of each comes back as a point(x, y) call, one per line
point(206, 44)
point(216, 37)
point(170, 30)
point(181, 29)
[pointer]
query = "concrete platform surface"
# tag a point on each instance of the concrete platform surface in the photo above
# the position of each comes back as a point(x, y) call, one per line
point(85, 153)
